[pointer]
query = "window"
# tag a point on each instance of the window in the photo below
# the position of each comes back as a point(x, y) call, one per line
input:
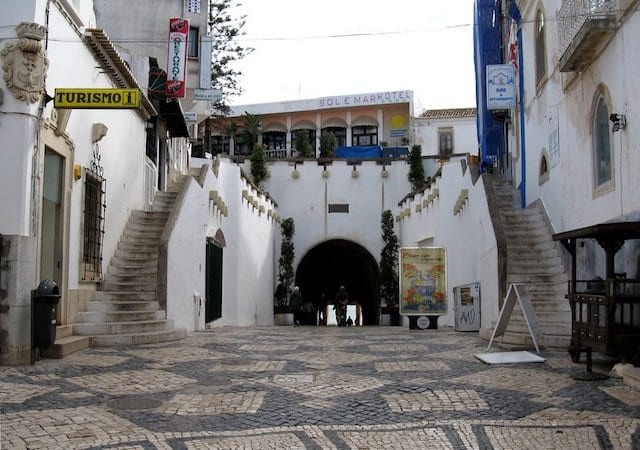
point(602, 158)
point(93, 226)
point(338, 208)
point(274, 140)
point(220, 144)
point(541, 53)
point(193, 43)
point(543, 175)
point(340, 133)
point(297, 138)
point(364, 135)
point(445, 141)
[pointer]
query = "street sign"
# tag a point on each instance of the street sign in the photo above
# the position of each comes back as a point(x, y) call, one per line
point(190, 116)
point(96, 98)
point(212, 95)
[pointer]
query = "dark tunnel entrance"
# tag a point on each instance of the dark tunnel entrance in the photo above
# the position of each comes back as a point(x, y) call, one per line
point(336, 263)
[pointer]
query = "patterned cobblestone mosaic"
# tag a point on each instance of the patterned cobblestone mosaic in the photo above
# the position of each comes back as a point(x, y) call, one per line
point(315, 388)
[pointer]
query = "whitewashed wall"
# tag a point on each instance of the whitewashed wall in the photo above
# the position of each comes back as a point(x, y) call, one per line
point(248, 257)
point(465, 134)
point(121, 150)
point(565, 103)
point(468, 236)
point(305, 199)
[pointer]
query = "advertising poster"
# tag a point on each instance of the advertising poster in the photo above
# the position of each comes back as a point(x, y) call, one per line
point(177, 58)
point(423, 281)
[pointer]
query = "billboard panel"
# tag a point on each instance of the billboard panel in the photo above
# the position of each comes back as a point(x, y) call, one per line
point(423, 281)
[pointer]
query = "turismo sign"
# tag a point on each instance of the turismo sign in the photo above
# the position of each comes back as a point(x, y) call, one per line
point(88, 98)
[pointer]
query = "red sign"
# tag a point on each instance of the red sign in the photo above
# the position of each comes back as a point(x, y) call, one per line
point(177, 57)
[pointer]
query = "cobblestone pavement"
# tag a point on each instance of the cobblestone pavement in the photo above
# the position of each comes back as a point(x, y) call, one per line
point(316, 388)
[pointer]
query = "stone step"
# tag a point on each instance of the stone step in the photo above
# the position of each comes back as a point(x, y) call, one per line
point(154, 223)
point(132, 296)
point(531, 245)
point(139, 267)
point(530, 278)
point(131, 277)
point(131, 249)
point(121, 305)
point(120, 315)
point(140, 239)
point(65, 346)
point(541, 269)
point(149, 286)
point(508, 213)
point(152, 337)
point(525, 260)
point(133, 327)
point(531, 254)
point(524, 340)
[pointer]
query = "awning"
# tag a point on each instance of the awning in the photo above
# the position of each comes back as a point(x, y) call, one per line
point(274, 126)
point(171, 112)
point(303, 125)
point(364, 121)
point(334, 122)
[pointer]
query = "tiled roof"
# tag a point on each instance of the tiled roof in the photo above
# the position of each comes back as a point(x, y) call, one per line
point(451, 113)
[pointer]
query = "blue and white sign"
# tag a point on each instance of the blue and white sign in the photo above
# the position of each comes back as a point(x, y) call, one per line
point(501, 86)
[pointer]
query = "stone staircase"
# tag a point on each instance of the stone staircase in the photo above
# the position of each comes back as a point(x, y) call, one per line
point(124, 309)
point(535, 260)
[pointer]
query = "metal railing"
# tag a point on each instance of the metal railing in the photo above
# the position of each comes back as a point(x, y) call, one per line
point(575, 13)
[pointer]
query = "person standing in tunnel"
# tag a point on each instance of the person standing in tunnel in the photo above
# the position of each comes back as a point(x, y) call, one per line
point(342, 298)
point(295, 302)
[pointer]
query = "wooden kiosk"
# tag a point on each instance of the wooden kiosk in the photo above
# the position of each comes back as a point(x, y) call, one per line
point(605, 313)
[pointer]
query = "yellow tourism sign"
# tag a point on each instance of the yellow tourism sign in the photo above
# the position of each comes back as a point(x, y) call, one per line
point(92, 98)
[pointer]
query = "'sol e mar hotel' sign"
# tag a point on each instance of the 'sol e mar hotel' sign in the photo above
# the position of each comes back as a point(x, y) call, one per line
point(377, 98)
point(92, 98)
point(177, 57)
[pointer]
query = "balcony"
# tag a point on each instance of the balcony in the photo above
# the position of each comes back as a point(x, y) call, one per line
point(584, 29)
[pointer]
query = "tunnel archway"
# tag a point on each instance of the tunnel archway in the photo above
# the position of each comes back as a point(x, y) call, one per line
point(339, 262)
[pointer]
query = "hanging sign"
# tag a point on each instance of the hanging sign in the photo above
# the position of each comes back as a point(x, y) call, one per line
point(90, 98)
point(501, 86)
point(177, 58)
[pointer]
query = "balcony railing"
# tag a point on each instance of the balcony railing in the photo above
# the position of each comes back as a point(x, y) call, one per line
point(584, 28)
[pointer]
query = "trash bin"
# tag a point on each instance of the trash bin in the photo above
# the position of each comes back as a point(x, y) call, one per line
point(45, 306)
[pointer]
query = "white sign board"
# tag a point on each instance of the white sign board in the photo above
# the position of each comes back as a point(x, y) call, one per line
point(190, 116)
point(210, 95)
point(501, 86)
point(518, 293)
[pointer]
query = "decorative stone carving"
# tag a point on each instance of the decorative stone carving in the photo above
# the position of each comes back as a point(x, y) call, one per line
point(25, 63)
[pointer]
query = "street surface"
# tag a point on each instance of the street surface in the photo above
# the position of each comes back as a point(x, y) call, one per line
point(315, 388)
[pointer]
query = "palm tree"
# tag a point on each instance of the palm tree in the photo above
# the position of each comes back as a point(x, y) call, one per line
point(251, 125)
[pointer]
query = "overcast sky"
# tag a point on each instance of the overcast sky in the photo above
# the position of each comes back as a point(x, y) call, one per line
point(308, 49)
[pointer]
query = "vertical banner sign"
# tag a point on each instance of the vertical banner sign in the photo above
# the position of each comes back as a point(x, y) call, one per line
point(423, 281)
point(177, 57)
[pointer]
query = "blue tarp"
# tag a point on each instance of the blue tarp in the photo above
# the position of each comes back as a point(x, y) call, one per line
point(368, 151)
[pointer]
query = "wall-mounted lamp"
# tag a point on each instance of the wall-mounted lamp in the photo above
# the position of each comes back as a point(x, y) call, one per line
point(619, 122)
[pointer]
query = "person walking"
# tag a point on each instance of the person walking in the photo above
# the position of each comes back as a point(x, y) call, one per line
point(295, 302)
point(342, 298)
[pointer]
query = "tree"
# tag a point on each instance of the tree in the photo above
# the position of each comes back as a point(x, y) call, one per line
point(416, 169)
point(285, 263)
point(258, 165)
point(328, 144)
point(389, 264)
point(251, 124)
point(302, 144)
point(225, 28)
